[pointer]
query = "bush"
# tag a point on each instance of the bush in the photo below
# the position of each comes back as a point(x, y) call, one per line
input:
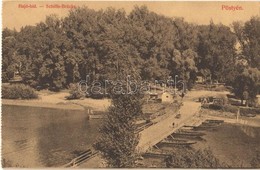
point(244, 111)
point(223, 97)
point(233, 109)
point(230, 108)
point(74, 92)
point(194, 159)
point(224, 108)
point(215, 107)
point(18, 91)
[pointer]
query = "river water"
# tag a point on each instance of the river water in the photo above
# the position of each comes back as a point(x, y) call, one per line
point(234, 144)
point(45, 137)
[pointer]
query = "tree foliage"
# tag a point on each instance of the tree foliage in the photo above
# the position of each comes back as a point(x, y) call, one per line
point(118, 138)
point(118, 141)
point(61, 51)
point(194, 159)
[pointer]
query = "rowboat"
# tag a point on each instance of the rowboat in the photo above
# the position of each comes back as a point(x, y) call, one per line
point(183, 142)
point(210, 124)
point(188, 133)
point(204, 127)
point(156, 153)
point(214, 121)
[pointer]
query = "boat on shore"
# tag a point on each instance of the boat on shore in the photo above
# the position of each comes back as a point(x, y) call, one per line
point(205, 128)
point(213, 121)
point(188, 133)
point(177, 142)
point(159, 153)
point(208, 125)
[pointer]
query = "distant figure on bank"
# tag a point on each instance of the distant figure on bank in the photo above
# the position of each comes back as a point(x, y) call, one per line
point(182, 95)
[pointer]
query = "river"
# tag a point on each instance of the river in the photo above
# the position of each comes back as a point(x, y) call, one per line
point(236, 145)
point(45, 137)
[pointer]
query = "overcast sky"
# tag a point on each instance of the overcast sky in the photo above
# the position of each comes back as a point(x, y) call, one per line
point(196, 12)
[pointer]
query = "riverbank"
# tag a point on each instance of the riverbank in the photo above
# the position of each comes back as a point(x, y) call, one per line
point(229, 117)
point(58, 101)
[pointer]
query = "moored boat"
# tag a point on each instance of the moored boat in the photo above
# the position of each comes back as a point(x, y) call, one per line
point(183, 143)
point(214, 121)
point(188, 133)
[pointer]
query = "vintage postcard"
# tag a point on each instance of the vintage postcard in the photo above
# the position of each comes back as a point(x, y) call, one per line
point(130, 84)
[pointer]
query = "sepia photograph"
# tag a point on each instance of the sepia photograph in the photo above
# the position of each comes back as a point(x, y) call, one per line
point(130, 84)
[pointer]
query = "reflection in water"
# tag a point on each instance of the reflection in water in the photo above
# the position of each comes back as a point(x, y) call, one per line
point(44, 137)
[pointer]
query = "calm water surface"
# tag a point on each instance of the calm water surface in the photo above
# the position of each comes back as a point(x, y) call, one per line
point(45, 137)
point(233, 144)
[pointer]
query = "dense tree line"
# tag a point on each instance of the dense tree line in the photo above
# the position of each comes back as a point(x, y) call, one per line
point(57, 52)
point(109, 45)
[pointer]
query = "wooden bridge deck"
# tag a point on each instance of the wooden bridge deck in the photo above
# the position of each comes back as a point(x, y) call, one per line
point(157, 132)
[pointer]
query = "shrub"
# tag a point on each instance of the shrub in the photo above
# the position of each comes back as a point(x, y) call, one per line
point(18, 91)
point(230, 108)
point(194, 159)
point(223, 97)
point(233, 109)
point(215, 106)
point(74, 92)
point(244, 111)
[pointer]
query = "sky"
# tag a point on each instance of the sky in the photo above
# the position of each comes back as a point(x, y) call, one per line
point(195, 12)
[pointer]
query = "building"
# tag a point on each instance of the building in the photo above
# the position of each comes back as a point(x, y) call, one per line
point(160, 97)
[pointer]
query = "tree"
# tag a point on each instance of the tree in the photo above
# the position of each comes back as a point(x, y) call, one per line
point(248, 35)
point(216, 50)
point(247, 84)
point(184, 65)
point(60, 51)
point(118, 139)
point(194, 159)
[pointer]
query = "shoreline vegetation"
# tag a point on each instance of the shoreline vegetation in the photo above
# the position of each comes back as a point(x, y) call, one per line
point(230, 117)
